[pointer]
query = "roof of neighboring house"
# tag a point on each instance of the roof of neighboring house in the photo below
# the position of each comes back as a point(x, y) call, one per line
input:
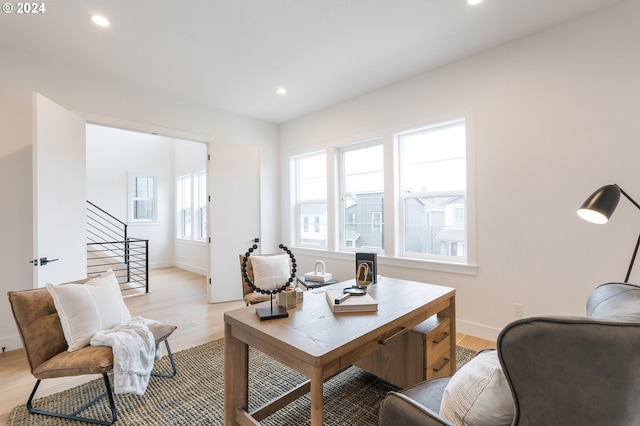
point(352, 235)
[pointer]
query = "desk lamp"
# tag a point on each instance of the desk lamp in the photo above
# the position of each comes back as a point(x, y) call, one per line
point(599, 207)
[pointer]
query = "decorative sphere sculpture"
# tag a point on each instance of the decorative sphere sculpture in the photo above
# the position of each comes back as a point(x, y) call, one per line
point(245, 275)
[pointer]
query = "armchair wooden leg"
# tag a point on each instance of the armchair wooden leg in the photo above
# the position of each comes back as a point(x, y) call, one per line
point(74, 415)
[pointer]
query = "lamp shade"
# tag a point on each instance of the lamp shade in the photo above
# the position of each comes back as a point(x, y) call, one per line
point(599, 207)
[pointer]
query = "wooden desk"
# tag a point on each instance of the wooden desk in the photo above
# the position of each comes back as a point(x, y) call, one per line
point(320, 344)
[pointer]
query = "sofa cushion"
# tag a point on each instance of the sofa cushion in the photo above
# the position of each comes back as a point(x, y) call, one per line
point(478, 394)
point(86, 308)
point(615, 301)
point(270, 272)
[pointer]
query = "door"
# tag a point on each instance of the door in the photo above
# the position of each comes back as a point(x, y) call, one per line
point(59, 194)
point(234, 212)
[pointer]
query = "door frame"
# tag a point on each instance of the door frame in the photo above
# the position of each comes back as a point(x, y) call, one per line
point(99, 120)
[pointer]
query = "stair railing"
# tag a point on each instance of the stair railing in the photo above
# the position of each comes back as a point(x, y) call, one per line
point(110, 247)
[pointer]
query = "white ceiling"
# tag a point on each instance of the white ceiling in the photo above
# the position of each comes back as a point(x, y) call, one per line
point(233, 54)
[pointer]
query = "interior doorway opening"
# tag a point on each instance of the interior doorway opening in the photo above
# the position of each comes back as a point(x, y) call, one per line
point(135, 177)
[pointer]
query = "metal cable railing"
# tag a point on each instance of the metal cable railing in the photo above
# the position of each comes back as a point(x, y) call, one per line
point(110, 247)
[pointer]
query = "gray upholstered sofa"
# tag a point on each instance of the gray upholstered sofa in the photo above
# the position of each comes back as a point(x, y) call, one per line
point(558, 370)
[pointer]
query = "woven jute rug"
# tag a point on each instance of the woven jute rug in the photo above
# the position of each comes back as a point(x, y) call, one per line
point(195, 396)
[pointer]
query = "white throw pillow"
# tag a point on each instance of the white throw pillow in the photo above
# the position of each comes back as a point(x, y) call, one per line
point(478, 394)
point(270, 272)
point(87, 308)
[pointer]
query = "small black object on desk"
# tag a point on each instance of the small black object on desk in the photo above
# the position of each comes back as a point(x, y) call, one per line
point(308, 284)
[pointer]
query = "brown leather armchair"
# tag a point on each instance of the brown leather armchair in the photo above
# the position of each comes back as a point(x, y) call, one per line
point(46, 348)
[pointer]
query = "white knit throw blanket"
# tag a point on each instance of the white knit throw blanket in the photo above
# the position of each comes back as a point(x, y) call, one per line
point(134, 352)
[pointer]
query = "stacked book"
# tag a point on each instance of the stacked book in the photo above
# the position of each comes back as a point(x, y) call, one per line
point(364, 303)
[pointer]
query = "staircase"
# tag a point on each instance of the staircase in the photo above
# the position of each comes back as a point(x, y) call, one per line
point(110, 247)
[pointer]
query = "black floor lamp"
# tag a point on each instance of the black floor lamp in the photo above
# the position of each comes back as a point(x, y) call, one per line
point(599, 207)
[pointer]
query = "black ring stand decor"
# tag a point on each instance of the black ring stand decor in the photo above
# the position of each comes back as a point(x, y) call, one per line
point(271, 312)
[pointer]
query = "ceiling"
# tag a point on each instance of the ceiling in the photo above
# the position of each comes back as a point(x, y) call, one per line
point(233, 54)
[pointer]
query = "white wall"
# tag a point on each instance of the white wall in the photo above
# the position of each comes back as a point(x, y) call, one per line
point(555, 116)
point(113, 156)
point(105, 101)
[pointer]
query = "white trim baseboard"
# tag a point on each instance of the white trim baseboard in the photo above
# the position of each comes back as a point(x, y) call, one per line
point(11, 343)
point(477, 330)
point(191, 268)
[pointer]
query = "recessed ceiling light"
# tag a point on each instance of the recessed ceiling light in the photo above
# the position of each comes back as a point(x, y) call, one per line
point(100, 20)
point(281, 91)
point(474, 2)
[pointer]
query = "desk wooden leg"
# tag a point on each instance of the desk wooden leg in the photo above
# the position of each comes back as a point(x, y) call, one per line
point(316, 397)
point(236, 376)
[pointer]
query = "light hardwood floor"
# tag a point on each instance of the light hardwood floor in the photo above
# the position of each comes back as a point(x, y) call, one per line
point(177, 297)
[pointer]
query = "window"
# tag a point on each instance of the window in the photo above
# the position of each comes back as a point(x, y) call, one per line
point(311, 200)
point(458, 215)
point(433, 192)
point(184, 207)
point(402, 194)
point(192, 198)
point(142, 195)
point(362, 195)
point(376, 221)
point(201, 204)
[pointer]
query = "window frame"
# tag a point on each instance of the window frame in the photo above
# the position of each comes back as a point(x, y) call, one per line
point(343, 242)
point(132, 198)
point(197, 206)
point(392, 212)
point(183, 207)
point(200, 204)
point(404, 196)
point(304, 223)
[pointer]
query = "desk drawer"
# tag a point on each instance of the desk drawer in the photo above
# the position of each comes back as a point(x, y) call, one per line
point(437, 340)
point(439, 367)
point(421, 353)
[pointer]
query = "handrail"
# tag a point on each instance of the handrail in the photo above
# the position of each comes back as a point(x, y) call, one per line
point(107, 213)
point(108, 236)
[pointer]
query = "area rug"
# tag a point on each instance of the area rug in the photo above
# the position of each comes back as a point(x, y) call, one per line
point(195, 396)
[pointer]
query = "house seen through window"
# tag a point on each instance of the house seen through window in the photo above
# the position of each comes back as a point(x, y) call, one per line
point(425, 181)
point(311, 200)
point(433, 191)
point(362, 196)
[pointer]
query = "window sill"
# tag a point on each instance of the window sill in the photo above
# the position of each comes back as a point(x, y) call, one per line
point(421, 264)
point(144, 223)
point(430, 265)
point(191, 242)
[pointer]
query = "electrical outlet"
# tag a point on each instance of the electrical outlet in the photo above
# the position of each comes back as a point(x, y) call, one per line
point(517, 310)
